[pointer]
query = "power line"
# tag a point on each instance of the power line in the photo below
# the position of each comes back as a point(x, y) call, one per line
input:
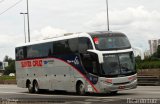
point(10, 6)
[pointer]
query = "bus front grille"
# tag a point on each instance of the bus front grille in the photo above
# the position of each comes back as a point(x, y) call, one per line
point(121, 83)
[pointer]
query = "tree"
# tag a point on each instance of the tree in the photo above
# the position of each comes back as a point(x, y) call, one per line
point(7, 59)
point(138, 59)
point(11, 65)
point(158, 51)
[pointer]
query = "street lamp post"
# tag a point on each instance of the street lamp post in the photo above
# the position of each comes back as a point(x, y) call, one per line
point(28, 22)
point(107, 14)
point(24, 25)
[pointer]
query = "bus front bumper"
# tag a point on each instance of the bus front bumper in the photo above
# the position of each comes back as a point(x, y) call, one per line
point(107, 88)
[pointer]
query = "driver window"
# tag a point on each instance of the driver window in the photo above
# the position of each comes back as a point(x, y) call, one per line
point(84, 44)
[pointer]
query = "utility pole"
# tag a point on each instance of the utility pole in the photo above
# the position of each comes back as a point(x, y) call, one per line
point(107, 14)
point(28, 22)
point(24, 26)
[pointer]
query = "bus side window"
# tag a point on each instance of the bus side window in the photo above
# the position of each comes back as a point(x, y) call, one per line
point(73, 45)
point(84, 44)
point(89, 60)
point(90, 63)
point(33, 51)
point(25, 52)
point(47, 49)
point(19, 53)
point(61, 47)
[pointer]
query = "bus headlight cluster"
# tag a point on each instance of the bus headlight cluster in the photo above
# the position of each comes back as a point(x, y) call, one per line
point(132, 78)
point(108, 81)
point(93, 78)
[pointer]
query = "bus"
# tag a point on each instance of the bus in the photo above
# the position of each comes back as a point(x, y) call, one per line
point(93, 62)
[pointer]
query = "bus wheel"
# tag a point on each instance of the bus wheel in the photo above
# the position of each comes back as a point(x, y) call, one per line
point(113, 92)
point(30, 88)
point(80, 88)
point(36, 87)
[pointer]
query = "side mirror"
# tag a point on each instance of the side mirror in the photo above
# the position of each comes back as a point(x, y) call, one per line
point(100, 55)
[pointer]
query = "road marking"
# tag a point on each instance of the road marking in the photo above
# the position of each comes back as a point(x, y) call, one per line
point(60, 96)
point(79, 102)
point(150, 92)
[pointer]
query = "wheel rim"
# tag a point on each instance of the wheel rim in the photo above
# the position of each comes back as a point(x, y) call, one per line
point(36, 88)
point(29, 87)
point(81, 88)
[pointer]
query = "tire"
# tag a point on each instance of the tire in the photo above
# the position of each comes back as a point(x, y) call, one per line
point(80, 89)
point(30, 88)
point(113, 92)
point(36, 88)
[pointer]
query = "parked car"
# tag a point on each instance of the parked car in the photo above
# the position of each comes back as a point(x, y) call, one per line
point(12, 74)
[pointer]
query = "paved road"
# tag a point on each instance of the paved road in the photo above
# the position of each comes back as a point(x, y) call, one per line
point(10, 94)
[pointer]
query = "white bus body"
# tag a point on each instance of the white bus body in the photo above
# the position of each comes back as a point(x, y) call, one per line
point(82, 62)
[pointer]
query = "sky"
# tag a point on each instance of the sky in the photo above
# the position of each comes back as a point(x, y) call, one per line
point(138, 19)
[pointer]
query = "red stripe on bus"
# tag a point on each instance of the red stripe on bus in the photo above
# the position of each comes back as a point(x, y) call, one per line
point(80, 73)
point(71, 66)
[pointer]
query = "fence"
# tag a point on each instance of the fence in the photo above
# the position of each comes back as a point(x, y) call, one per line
point(149, 77)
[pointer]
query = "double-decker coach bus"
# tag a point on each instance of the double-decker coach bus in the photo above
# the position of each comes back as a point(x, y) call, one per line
point(96, 62)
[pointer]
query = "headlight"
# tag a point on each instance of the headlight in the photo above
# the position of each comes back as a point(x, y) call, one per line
point(93, 78)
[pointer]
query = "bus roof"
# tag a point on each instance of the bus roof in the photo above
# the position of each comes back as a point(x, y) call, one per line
point(63, 37)
point(106, 33)
point(72, 35)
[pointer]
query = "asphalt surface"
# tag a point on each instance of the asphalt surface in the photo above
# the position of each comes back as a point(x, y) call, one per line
point(11, 94)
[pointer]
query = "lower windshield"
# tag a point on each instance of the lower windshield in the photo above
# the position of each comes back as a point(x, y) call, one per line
point(118, 64)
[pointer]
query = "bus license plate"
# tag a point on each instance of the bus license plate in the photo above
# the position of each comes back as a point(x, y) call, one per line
point(121, 87)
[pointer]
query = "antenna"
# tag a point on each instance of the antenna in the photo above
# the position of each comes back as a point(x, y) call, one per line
point(107, 14)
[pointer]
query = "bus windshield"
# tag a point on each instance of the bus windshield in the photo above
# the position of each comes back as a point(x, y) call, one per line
point(111, 42)
point(118, 64)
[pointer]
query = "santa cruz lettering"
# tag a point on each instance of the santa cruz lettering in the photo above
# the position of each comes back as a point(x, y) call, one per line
point(33, 63)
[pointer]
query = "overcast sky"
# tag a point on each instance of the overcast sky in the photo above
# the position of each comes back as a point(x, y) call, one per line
point(138, 19)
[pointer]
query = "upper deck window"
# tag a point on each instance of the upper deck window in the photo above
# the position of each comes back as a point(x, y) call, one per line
point(111, 42)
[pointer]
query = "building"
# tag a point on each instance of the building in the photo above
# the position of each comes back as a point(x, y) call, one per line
point(153, 44)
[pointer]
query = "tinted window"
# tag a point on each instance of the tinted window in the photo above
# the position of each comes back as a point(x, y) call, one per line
point(61, 47)
point(19, 53)
point(110, 42)
point(34, 51)
point(47, 49)
point(39, 50)
point(84, 45)
point(73, 45)
point(25, 52)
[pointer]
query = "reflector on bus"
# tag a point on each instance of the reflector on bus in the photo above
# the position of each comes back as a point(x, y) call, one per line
point(96, 40)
